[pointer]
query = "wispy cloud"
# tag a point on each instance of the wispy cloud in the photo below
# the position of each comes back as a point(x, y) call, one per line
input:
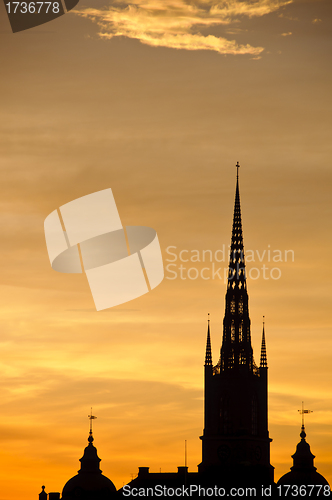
point(177, 23)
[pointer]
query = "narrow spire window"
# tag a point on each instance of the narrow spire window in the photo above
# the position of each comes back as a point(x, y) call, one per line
point(231, 359)
point(241, 331)
point(233, 331)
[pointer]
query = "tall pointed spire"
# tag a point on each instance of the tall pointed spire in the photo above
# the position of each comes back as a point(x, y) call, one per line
point(208, 352)
point(236, 390)
point(236, 351)
point(263, 363)
point(236, 273)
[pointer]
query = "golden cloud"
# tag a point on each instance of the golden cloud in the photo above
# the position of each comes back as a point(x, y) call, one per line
point(176, 23)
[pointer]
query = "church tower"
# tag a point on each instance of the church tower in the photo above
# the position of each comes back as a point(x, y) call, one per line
point(235, 441)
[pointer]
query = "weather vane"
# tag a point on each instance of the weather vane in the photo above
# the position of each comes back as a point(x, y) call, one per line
point(91, 417)
point(302, 412)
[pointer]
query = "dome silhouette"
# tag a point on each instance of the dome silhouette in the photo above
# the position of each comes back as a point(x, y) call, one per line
point(303, 471)
point(89, 483)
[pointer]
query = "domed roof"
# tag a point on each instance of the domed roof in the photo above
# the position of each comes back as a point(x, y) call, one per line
point(89, 483)
point(93, 486)
point(303, 471)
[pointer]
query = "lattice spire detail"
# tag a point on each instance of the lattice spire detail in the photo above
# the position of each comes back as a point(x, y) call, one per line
point(236, 273)
point(236, 350)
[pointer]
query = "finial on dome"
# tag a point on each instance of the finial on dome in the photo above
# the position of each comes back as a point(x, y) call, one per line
point(302, 412)
point(43, 494)
point(91, 417)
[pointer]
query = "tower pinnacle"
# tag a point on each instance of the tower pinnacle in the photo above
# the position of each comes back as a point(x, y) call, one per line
point(236, 350)
point(236, 390)
point(208, 352)
point(263, 362)
point(236, 272)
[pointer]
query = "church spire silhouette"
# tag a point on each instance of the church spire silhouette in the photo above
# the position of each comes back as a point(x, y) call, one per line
point(235, 441)
point(236, 351)
point(236, 273)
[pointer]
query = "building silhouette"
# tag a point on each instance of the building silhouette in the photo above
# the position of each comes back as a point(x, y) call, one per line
point(303, 472)
point(235, 440)
point(89, 483)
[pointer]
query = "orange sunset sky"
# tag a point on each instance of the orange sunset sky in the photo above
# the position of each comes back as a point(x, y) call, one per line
point(158, 100)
